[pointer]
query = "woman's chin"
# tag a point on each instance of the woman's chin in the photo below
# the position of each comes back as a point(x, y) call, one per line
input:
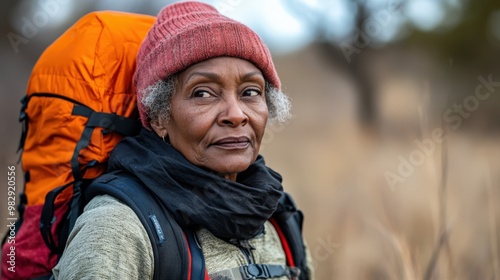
point(230, 162)
point(230, 165)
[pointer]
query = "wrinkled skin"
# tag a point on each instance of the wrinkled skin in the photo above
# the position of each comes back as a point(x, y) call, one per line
point(218, 115)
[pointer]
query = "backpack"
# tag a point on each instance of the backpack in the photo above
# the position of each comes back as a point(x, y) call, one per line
point(80, 102)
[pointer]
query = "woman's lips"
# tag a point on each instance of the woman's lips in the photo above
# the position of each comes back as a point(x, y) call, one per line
point(233, 143)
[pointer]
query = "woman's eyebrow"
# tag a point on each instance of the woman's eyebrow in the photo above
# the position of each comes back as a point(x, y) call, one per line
point(251, 74)
point(209, 75)
point(217, 77)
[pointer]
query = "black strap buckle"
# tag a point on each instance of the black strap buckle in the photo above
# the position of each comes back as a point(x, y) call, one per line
point(265, 271)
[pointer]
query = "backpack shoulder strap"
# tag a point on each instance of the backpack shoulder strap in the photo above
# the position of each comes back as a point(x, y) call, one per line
point(171, 251)
point(288, 223)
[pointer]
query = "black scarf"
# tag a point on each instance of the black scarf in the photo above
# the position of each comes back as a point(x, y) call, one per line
point(197, 197)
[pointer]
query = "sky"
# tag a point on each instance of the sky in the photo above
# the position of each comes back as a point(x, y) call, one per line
point(285, 30)
point(285, 25)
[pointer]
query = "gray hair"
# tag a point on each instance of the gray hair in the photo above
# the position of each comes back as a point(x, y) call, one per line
point(156, 101)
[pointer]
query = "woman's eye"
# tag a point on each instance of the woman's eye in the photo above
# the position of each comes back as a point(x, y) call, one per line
point(201, 93)
point(251, 92)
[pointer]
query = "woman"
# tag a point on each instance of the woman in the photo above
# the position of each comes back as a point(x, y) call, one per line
point(206, 88)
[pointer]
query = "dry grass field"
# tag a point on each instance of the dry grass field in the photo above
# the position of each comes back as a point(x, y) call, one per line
point(438, 221)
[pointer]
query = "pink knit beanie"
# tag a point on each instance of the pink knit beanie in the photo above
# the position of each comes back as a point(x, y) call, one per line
point(190, 32)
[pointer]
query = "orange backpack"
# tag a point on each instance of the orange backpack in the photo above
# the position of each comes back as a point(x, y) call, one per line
point(80, 102)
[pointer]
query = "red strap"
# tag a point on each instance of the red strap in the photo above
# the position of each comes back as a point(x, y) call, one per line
point(189, 257)
point(191, 260)
point(284, 243)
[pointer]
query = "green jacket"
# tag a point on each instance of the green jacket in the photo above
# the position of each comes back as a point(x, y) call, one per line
point(109, 242)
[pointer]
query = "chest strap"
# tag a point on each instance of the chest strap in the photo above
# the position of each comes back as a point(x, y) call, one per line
point(256, 271)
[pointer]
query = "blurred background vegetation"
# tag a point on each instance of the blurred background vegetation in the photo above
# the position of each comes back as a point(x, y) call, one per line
point(371, 82)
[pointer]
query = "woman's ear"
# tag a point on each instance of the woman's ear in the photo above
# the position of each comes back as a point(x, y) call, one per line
point(159, 126)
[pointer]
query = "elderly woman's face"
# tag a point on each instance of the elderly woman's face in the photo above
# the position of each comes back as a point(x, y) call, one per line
point(218, 115)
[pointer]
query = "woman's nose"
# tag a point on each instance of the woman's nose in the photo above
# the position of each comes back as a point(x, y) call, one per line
point(232, 113)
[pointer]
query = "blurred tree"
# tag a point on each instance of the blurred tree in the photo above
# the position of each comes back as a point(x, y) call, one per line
point(470, 41)
point(464, 34)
